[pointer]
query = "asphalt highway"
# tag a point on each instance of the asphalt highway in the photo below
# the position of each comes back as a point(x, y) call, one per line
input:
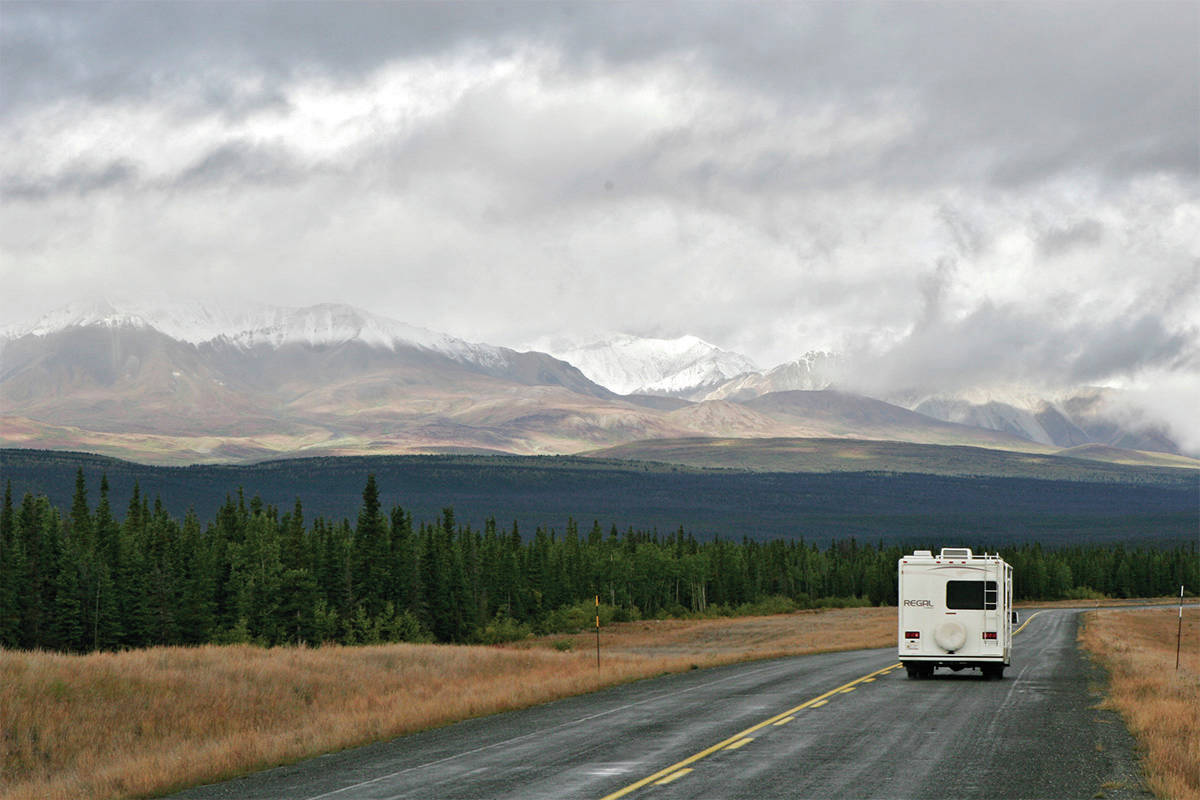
point(836, 725)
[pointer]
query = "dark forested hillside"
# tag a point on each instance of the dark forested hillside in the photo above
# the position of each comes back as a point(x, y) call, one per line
point(1134, 505)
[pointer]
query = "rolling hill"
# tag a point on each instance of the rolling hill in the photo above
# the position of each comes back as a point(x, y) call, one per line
point(1093, 463)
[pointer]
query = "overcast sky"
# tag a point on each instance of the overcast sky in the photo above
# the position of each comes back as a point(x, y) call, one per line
point(962, 194)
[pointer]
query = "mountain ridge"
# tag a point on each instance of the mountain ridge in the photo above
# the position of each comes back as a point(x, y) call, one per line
point(333, 379)
point(254, 325)
point(679, 367)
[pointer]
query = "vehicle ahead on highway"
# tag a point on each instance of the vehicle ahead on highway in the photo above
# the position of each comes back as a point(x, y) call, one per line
point(955, 611)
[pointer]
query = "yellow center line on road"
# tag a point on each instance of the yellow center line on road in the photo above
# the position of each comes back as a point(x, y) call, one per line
point(725, 743)
point(785, 721)
point(740, 743)
point(1031, 616)
point(673, 776)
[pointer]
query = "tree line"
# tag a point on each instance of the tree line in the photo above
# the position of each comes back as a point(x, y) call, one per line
point(83, 579)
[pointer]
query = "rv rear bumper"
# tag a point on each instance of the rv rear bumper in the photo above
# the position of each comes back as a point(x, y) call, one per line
point(954, 662)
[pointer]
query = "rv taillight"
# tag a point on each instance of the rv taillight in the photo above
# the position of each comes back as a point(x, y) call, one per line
point(989, 634)
point(912, 634)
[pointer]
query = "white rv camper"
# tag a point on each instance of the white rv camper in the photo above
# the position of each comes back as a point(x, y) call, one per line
point(955, 612)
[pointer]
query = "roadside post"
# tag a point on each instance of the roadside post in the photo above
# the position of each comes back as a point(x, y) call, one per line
point(598, 634)
point(1178, 634)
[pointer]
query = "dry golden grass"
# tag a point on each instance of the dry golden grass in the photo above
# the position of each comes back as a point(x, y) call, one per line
point(710, 642)
point(146, 722)
point(1109, 602)
point(1160, 705)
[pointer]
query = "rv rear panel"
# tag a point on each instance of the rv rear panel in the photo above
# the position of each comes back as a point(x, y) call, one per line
point(955, 611)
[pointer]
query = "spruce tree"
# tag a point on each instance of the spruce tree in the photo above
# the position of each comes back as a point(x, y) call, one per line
point(372, 565)
point(38, 540)
point(107, 631)
point(12, 569)
point(197, 565)
point(81, 517)
point(436, 577)
point(163, 577)
point(295, 553)
point(406, 593)
point(258, 575)
point(80, 547)
point(298, 605)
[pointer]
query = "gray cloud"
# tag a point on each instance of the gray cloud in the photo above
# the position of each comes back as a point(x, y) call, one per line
point(1005, 93)
point(957, 194)
point(76, 179)
point(997, 347)
point(1059, 240)
point(1123, 347)
point(241, 164)
point(933, 289)
point(109, 50)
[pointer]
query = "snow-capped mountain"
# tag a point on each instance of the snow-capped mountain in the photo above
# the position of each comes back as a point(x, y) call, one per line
point(686, 366)
point(294, 372)
point(811, 372)
point(320, 325)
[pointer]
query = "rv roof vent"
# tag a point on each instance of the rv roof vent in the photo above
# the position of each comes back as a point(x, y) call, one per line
point(956, 552)
point(926, 553)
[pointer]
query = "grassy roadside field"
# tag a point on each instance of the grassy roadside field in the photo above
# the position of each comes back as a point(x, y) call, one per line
point(141, 723)
point(1160, 705)
point(1109, 602)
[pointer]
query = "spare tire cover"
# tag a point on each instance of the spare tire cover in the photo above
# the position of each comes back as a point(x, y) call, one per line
point(950, 636)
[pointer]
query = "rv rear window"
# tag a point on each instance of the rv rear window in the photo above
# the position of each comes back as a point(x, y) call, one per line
point(968, 595)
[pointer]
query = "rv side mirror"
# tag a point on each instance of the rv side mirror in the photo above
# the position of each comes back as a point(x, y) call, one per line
point(1015, 618)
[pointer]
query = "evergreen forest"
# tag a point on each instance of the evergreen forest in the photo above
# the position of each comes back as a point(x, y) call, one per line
point(86, 578)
